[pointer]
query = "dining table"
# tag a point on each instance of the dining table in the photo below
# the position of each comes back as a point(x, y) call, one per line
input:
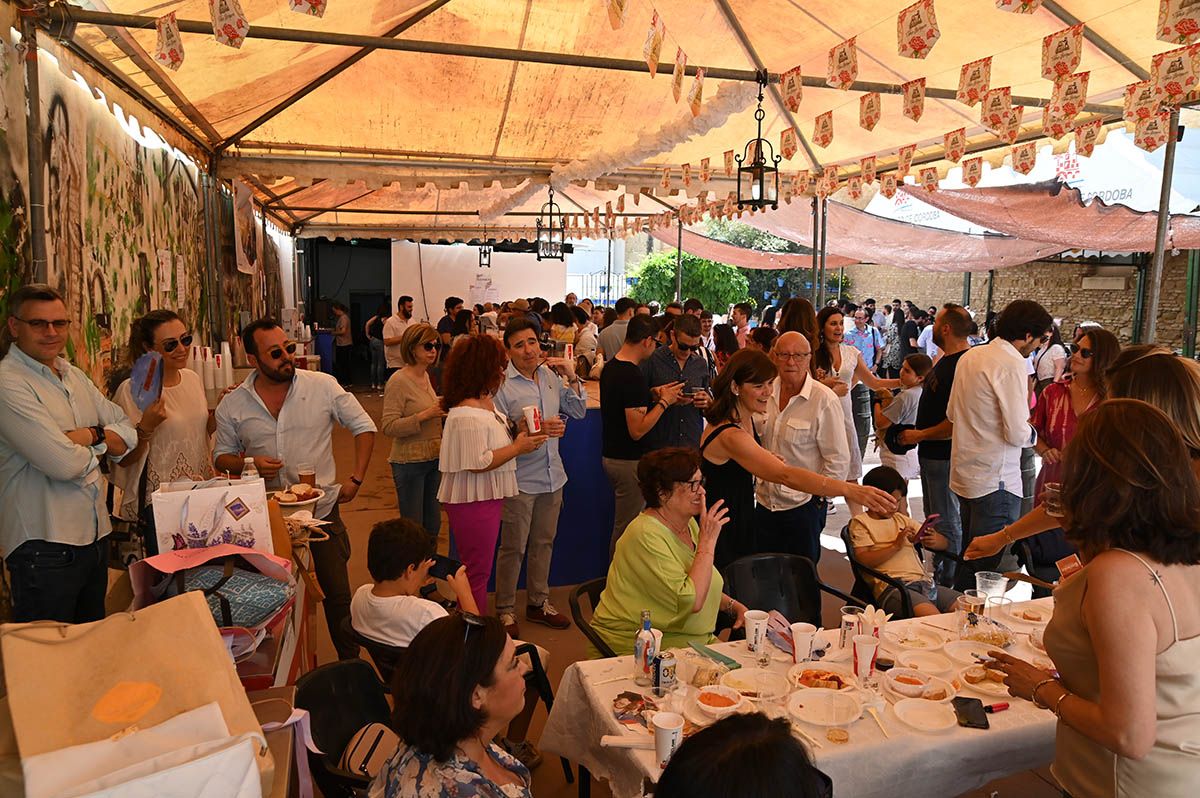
point(883, 755)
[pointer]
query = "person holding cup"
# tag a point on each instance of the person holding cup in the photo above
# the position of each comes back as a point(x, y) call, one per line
point(529, 520)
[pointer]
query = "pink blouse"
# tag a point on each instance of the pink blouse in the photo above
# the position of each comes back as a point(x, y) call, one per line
point(1055, 421)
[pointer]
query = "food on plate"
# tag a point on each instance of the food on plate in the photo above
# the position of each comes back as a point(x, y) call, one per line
point(910, 680)
point(286, 497)
point(975, 674)
point(994, 636)
point(838, 736)
point(716, 700)
point(1033, 615)
point(818, 677)
point(303, 491)
point(995, 675)
point(907, 682)
point(913, 639)
point(935, 694)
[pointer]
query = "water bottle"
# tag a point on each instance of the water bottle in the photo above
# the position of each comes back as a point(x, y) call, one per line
point(643, 653)
point(929, 568)
point(249, 471)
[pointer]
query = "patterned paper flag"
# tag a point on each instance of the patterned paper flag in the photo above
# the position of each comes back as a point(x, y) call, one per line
point(917, 29)
point(929, 178)
point(914, 98)
point(608, 213)
point(230, 25)
point(1019, 6)
point(867, 167)
point(616, 12)
point(869, 110)
point(596, 219)
point(1178, 21)
point(972, 170)
point(830, 178)
point(1012, 125)
point(1069, 96)
point(995, 108)
point(854, 187)
point(843, 65)
point(1151, 133)
point(652, 47)
point(1140, 101)
point(687, 175)
point(314, 8)
point(729, 163)
point(1024, 156)
point(1061, 52)
point(823, 129)
point(955, 143)
point(621, 203)
point(664, 181)
point(696, 93)
point(677, 75)
point(1053, 127)
point(169, 51)
point(973, 80)
point(792, 86)
point(887, 185)
point(705, 171)
point(787, 143)
point(904, 158)
point(1175, 74)
point(1087, 135)
point(803, 182)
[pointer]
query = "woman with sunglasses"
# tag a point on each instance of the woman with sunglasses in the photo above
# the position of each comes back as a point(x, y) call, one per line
point(412, 418)
point(174, 433)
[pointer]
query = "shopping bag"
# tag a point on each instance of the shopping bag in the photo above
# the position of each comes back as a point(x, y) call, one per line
point(74, 684)
point(195, 515)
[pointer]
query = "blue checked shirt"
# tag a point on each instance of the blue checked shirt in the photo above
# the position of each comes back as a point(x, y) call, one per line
point(539, 471)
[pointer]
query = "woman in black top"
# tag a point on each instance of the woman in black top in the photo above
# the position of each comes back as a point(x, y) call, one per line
point(374, 330)
point(731, 457)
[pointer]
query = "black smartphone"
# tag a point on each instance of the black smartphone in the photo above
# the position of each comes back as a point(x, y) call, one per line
point(443, 567)
point(970, 713)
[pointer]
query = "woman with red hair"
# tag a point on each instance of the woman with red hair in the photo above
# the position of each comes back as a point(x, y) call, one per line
point(478, 455)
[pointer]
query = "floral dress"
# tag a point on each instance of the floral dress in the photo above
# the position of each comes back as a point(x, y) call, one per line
point(413, 774)
point(891, 355)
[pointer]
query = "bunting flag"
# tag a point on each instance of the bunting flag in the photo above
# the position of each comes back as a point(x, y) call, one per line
point(1140, 101)
point(1024, 156)
point(1087, 135)
point(800, 183)
point(677, 75)
point(929, 178)
point(823, 129)
point(652, 47)
point(608, 213)
point(792, 86)
point(314, 8)
point(621, 204)
point(973, 80)
point(229, 22)
point(169, 50)
point(1053, 127)
point(843, 65)
point(616, 12)
point(696, 92)
point(830, 178)
point(1061, 52)
point(955, 144)
point(1019, 6)
point(917, 30)
point(995, 109)
point(687, 175)
point(705, 171)
point(914, 98)
point(787, 143)
point(1178, 21)
point(1069, 96)
point(869, 110)
point(1012, 125)
point(887, 185)
point(664, 181)
point(854, 187)
point(904, 158)
point(728, 209)
point(637, 224)
point(972, 170)
point(1151, 133)
point(1175, 73)
point(867, 167)
point(729, 163)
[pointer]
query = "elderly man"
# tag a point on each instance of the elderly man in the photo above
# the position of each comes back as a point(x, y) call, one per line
point(681, 362)
point(54, 428)
point(805, 428)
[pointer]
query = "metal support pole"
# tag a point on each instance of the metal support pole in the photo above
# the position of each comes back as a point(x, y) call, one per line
point(824, 247)
point(608, 282)
point(966, 289)
point(841, 292)
point(33, 136)
point(1139, 300)
point(679, 263)
point(816, 240)
point(1160, 235)
point(991, 289)
point(1192, 300)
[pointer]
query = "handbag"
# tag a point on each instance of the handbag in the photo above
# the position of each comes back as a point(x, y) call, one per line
point(196, 515)
point(369, 750)
point(236, 596)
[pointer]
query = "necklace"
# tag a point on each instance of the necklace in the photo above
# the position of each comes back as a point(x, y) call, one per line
point(677, 533)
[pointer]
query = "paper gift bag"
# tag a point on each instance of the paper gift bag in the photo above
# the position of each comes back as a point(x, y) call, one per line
point(196, 515)
point(74, 684)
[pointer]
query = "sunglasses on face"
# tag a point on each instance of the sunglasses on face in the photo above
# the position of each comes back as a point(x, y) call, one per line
point(277, 352)
point(41, 325)
point(171, 344)
point(686, 347)
point(429, 346)
point(1086, 354)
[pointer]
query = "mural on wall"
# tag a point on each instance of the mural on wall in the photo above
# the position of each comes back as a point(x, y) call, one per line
point(15, 262)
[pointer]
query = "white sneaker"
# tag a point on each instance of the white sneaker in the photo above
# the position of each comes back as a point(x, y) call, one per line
point(509, 621)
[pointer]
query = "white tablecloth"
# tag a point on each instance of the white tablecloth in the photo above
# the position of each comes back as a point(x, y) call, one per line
point(909, 763)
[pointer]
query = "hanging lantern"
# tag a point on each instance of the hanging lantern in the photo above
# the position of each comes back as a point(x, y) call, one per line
point(485, 252)
point(758, 166)
point(550, 231)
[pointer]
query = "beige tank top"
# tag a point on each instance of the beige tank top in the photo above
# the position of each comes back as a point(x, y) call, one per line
point(1086, 769)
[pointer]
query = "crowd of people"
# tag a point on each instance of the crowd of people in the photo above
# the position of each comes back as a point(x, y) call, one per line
point(720, 440)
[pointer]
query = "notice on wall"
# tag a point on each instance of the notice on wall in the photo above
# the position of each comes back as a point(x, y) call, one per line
point(181, 287)
point(164, 273)
point(247, 241)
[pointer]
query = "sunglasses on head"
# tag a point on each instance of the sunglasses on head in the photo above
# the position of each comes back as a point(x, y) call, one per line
point(171, 344)
point(277, 352)
point(472, 621)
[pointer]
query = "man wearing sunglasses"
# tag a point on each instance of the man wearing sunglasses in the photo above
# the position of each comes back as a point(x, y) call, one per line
point(54, 428)
point(680, 364)
point(283, 417)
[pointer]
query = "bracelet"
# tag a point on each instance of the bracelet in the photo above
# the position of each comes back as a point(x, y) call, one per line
point(356, 480)
point(729, 606)
point(1058, 703)
point(1034, 696)
point(663, 404)
point(1006, 535)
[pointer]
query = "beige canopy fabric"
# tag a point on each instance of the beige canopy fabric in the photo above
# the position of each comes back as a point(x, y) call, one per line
point(722, 252)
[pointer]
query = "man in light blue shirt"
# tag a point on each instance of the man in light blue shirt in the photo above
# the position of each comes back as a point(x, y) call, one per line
point(284, 418)
point(530, 519)
point(54, 428)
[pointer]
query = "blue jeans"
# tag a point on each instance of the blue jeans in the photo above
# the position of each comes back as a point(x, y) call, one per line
point(983, 516)
point(794, 531)
point(59, 582)
point(938, 498)
point(416, 493)
point(379, 373)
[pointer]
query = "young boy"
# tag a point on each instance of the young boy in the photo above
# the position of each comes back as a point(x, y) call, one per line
point(902, 409)
point(885, 543)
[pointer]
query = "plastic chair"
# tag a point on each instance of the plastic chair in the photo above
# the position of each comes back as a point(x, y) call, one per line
point(862, 586)
point(787, 583)
point(592, 589)
point(341, 698)
point(386, 658)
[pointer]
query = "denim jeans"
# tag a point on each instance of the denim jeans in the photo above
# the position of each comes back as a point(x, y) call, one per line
point(983, 516)
point(416, 493)
point(59, 582)
point(379, 373)
point(938, 498)
point(860, 396)
point(794, 531)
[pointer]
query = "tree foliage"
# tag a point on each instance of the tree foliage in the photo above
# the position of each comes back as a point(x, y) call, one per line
point(717, 285)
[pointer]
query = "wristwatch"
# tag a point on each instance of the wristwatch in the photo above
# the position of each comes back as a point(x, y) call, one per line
point(97, 434)
point(356, 481)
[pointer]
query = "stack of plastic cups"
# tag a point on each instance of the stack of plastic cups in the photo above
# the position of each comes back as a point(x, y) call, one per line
point(226, 365)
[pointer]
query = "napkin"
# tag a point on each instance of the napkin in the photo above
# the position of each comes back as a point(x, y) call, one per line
point(874, 620)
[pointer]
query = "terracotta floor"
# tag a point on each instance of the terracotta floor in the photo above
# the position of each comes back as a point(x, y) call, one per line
point(376, 501)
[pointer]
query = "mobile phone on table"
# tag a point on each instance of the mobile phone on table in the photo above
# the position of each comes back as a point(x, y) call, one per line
point(969, 712)
point(443, 567)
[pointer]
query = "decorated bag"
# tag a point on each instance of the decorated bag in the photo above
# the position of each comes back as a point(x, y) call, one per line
point(236, 596)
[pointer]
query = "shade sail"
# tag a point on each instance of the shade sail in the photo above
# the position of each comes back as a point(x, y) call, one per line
point(1055, 212)
point(710, 249)
point(866, 238)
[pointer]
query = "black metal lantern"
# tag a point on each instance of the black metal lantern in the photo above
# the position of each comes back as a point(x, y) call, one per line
point(758, 166)
point(551, 231)
point(485, 251)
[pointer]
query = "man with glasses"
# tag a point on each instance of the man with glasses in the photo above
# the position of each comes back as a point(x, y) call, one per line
point(54, 428)
point(282, 418)
point(680, 363)
point(805, 429)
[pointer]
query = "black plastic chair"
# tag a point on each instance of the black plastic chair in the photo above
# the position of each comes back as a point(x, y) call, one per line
point(786, 583)
point(862, 586)
point(386, 658)
point(341, 698)
point(592, 589)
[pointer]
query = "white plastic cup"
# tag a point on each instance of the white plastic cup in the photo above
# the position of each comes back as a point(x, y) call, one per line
point(865, 649)
point(991, 583)
point(569, 352)
point(802, 641)
point(657, 641)
point(668, 732)
point(756, 629)
point(533, 419)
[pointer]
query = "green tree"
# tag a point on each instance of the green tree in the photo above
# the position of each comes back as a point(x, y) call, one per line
point(717, 285)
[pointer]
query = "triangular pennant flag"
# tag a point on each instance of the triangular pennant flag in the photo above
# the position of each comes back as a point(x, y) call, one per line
point(616, 12)
point(823, 129)
point(1178, 21)
point(1175, 74)
point(687, 175)
point(995, 108)
point(854, 187)
point(887, 185)
point(677, 74)
point(904, 158)
point(314, 8)
point(972, 170)
point(787, 143)
point(973, 80)
point(1012, 124)
point(843, 65)
point(1068, 97)
point(869, 110)
point(955, 143)
point(696, 93)
point(169, 50)
point(914, 98)
point(652, 47)
point(1151, 133)
point(229, 22)
point(621, 204)
point(917, 29)
point(1024, 156)
point(1140, 101)
point(729, 163)
point(1019, 6)
point(1061, 52)
point(792, 86)
point(664, 181)
point(929, 178)
point(1087, 136)
point(867, 167)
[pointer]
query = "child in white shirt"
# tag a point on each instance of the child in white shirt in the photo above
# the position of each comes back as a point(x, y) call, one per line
point(902, 409)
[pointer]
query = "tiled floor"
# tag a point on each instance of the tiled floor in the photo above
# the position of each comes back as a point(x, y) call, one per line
point(376, 501)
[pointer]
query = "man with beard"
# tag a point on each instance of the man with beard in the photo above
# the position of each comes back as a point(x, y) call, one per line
point(282, 418)
point(393, 333)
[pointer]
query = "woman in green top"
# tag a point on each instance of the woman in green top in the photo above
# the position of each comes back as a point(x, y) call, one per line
point(664, 560)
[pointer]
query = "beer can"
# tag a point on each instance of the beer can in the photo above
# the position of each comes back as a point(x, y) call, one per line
point(569, 351)
point(664, 672)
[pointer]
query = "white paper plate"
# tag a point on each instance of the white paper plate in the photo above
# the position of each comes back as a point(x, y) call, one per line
point(311, 500)
point(987, 686)
point(822, 707)
point(966, 651)
point(926, 662)
point(926, 716)
point(841, 669)
point(913, 639)
point(745, 681)
point(719, 712)
point(1015, 619)
point(934, 682)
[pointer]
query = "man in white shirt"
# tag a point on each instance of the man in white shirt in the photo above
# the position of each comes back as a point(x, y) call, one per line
point(926, 343)
point(393, 332)
point(739, 317)
point(989, 408)
point(806, 429)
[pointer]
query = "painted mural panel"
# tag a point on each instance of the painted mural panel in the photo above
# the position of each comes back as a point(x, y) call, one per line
point(15, 263)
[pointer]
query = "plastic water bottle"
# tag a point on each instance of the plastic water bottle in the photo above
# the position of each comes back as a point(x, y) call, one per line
point(249, 471)
point(928, 566)
point(643, 653)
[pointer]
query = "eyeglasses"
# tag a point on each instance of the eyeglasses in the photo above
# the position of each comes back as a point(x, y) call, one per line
point(41, 325)
point(472, 621)
point(171, 344)
point(792, 355)
point(696, 485)
point(277, 352)
point(429, 346)
point(686, 347)
point(1086, 354)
